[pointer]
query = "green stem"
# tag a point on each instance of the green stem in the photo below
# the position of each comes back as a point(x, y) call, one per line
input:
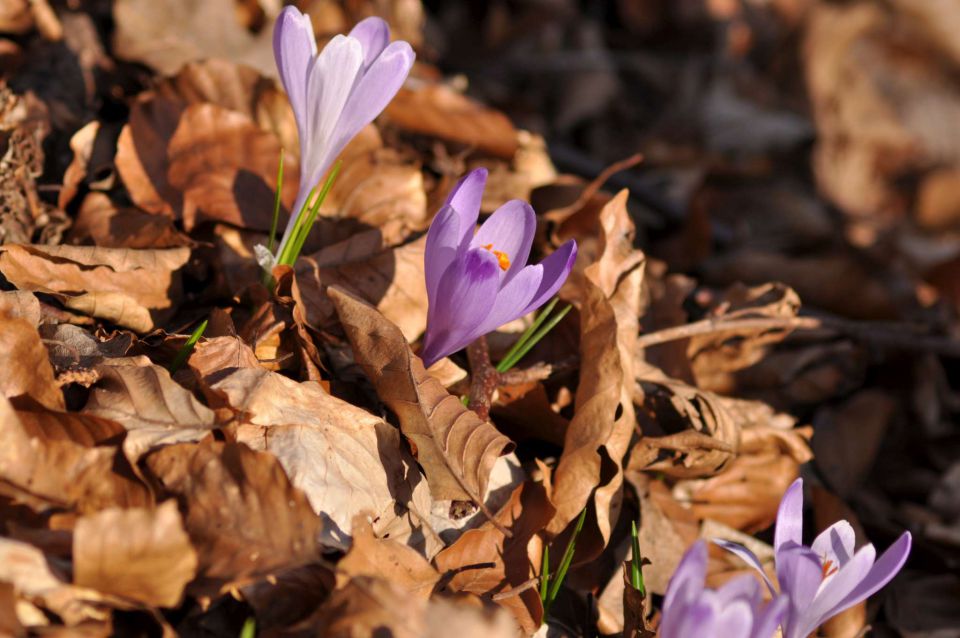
point(521, 352)
point(276, 206)
point(184, 353)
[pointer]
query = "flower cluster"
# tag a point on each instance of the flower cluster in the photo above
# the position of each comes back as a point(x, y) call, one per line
point(815, 583)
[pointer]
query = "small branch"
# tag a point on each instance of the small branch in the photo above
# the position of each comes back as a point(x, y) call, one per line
point(900, 336)
point(536, 372)
point(516, 591)
point(484, 378)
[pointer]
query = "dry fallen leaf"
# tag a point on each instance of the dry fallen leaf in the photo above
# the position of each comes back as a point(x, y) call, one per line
point(344, 459)
point(131, 288)
point(24, 364)
point(454, 446)
point(244, 517)
point(139, 554)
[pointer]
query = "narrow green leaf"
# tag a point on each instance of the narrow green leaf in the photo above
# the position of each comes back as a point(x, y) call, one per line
point(544, 574)
point(636, 575)
point(535, 339)
point(249, 628)
point(299, 237)
point(276, 206)
point(565, 563)
point(541, 317)
point(184, 353)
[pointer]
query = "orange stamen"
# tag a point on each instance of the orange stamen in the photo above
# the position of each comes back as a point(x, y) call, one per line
point(829, 568)
point(502, 258)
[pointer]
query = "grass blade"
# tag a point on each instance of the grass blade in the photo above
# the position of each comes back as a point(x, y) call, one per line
point(299, 236)
point(565, 562)
point(636, 575)
point(187, 348)
point(249, 628)
point(541, 317)
point(544, 574)
point(276, 206)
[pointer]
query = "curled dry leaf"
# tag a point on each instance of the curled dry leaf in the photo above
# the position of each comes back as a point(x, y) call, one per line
point(485, 562)
point(29, 571)
point(127, 287)
point(214, 355)
point(103, 224)
point(166, 36)
point(138, 554)
point(344, 459)
point(403, 566)
point(392, 279)
point(436, 110)
point(603, 423)
point(701, 436)
point(46, 470)
point(153, 408)
point(453, 445)
point(24, 364)
point(244, 517)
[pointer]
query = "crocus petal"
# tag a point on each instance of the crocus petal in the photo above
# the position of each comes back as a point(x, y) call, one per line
point(510, 230)
point(556, 267)
point(684, 589)
point(790, 516)
point(734, 620)
point(294, 46)
point(836, 543)
point(833, 591)
point(443, 239)
point(513, 299)
point(881, 573)
point(765, 622)
point(374, 91)
point(748, 557)
point(374, 35)
point(331, 80)
point(697, 620)
point(465, 198)
point(465, 295)
point(743, 587)
point(800, 574)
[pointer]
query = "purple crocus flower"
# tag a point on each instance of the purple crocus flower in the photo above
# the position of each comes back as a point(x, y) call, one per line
point(336, 93)
point(829, 576)
point(736, 610)
point(478, 282)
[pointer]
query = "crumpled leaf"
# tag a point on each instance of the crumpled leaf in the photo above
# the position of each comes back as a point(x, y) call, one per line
point(140, 554)
point(403, 566)
point(24, 364)
point(56, 472)
point(437, 110)
point(392, 279)
point(244, 517)
point(128, 287)
point(603, 423)
point(166, 36)
point(30, 572)
point(485, 562)
point(344, 459)
point(454, 446)
point(154, 409)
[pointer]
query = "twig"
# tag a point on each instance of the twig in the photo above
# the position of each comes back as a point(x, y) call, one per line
point(484, 378)
point(516, 591)
point(536, 372)
point(900, 336)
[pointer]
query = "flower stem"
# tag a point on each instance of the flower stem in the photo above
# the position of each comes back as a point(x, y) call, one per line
point(484, 378)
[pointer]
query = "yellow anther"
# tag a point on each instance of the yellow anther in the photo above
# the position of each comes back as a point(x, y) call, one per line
point(502, 258)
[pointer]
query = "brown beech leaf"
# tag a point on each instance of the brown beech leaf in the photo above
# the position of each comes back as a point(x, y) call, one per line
point(603, 422)
point(226, 168)
point(485, 562)
point(25, 365)
point(454, 446)
point(139, 554)
point(392, 279)
point(127, 287)
point(243, 515)
point(85, 429)
point(154, 409)
point(345, 460)
point(370, 607)
point(403, 566)
point(698, 435)
point(104, 224)
point(437, 110)
point(217, 354)
point(29, 571)
point(22, 305)
point(165, 36)
point(59, 472)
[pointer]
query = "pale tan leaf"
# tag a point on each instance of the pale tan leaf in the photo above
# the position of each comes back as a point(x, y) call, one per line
point(345, 460)
point(24, 364)
point(139, 554)
point(455, 447)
